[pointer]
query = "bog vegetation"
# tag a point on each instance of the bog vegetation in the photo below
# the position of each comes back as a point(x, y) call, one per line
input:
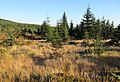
point(87, 52)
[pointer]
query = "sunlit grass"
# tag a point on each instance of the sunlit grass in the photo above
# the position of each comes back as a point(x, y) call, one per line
point(34, 60)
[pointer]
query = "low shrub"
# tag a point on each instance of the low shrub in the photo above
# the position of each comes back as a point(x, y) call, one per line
point(98, 48)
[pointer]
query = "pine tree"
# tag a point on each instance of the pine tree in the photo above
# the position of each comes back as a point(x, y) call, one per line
point(98, 47)
point(64, 21)
point(79, 31)
point(103, 21)
point(107, 29)
point(76, 30)
point(81, 28)
point(71, 30)
point(96, 30)
point(52, 36)
point(63, 28)
point(49, 34)
point(56, 40)
point(45, 26)
point(88, 22)
point(116, 36)
point(112, 30)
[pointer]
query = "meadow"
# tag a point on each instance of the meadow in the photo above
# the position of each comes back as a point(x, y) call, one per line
point(38, 61)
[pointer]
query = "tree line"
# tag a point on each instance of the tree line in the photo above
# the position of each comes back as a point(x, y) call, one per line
point(89, 28)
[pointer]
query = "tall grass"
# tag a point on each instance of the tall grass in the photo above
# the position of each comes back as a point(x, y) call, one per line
point(36, 61)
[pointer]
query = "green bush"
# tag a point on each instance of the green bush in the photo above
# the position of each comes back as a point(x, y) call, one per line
point(56, 42)
point(10, 41)
point(54, 38)
point(98, 48)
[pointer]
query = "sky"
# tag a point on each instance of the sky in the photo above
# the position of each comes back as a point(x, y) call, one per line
point(35, 11)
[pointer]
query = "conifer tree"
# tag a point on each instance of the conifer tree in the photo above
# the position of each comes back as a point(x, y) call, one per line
point(112, 30)
point(45, 26)
point(77, 31)
point(81, 28)
point(56, 40)
point(88, 22)
point(49, 34)
point(63, 28)
point(71, 30)
point(103, 21)
point(107, 29)
point(96, 30)
point(52, 36)
point(116, 36)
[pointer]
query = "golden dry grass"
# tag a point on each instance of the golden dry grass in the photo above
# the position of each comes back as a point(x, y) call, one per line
point(36, 58)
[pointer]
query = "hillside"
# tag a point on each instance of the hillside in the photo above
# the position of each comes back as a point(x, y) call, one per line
point(11, 26)
point(8, 22)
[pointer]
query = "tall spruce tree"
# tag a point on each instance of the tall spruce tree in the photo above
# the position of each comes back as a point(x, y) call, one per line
point(88, 22)
point(63, 28)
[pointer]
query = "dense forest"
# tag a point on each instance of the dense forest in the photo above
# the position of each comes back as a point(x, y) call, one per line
point(85, 52)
